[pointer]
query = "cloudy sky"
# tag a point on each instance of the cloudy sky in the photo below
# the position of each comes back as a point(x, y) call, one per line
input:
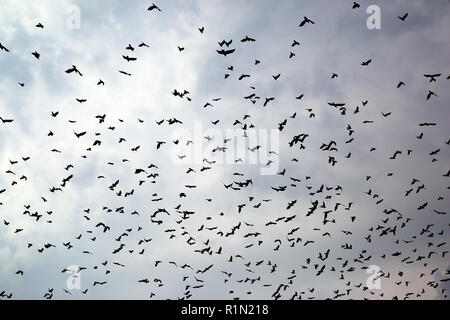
point(40, 230)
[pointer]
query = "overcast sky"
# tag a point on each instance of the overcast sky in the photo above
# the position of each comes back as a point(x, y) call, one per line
point(337, 43)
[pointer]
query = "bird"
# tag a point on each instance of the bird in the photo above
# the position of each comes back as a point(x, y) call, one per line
point(305, 20)
point(159, 144)
point(80, 134)
point(3, 48)
point(248, 39)
point(430, 94)
point(432, 76)
point(403, 17)
point(267, 100)
point(226, 43)
point(73, 69)
point(6, 120)
point(128, 59)
point(225, 52)
point(153, 7)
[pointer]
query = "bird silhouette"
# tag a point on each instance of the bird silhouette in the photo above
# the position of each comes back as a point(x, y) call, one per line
point(73, 69)
point(305, 21)
point(154, 7)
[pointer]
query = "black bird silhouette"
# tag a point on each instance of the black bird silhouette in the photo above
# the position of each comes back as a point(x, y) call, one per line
point(268, 100)
point(153, 7)
point(403, 17)
point(79, 135)
point(225, 52)
point(159, 144)
point(305, 20)
point(226, 43)
point(247, 39)
point(129, 58)
point(432, 76)
point(3, 48)
point(6, 120)
point(430, 94)
point(73, 69)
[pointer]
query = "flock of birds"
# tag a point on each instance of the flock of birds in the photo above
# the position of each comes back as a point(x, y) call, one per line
point(209, 241)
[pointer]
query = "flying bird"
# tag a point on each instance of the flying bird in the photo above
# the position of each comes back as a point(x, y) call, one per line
point(73, 69)
point(403, 17)
point(225, 52)
point(305, 20)
point(3, 48)
point(153, 7)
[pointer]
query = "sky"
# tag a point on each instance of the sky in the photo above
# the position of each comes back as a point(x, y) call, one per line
point(359, 228)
